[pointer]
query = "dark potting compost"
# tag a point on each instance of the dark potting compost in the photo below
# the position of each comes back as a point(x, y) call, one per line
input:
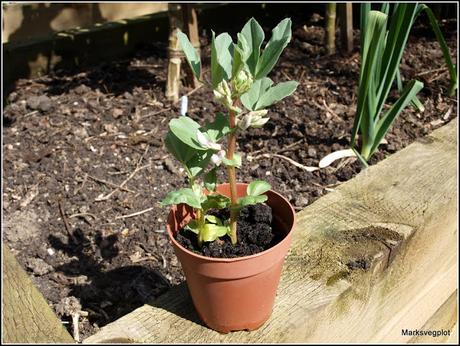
point(255, 234)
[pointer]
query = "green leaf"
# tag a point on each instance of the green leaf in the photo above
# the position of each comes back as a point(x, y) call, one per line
point(221, 58)
point(394, 44)
point(213, 219)
point(415, 103)
point(185, 195)
point(235, 162)
point(181, 151)
point(281, 35)
point(385, 8)
point(219, 128)
point(276, 93)
point(365, 8)
point(249, 199)
point(258, 89)
point(210, 180)
point(211, 232)
point(193, 226)
point(254, 35)
point(217, 201)
point(445, 49)
point(193, 160)
point(186, 129)
point(361, 158)
point(385, 122)
point(190, 53)
point(373, 41)
point(198, 163)
point(258, 187)
point(241, 53)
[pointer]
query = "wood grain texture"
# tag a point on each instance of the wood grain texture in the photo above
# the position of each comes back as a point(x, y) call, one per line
point(444, 320)
point(345, 13)
point(175, 53)
point(27, 318)
point(191, 29)
point(373, 257)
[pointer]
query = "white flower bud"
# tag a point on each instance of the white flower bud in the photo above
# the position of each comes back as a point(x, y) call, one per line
point(202, 139)
point(223, 94)
point(226, 88)
point(253, 119)
point(206, 143)
point(214, 146)
point(217, 158)
point(260, 113)
point(242, 82)
point(245, 122)
point(259, 122)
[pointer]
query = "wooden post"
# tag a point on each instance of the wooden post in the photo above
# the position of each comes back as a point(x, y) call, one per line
point(27, 318)
point(330, 27)
point(191, 29)
point(376, 256)
point(346, 26)
point(174, 53)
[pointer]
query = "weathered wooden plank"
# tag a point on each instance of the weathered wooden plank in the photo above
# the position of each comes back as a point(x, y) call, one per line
point(31, 20)
point(443, 321)
point(27, 318)
point(85, 46)
point(373, 257)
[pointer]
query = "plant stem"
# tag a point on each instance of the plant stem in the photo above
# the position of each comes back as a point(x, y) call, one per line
point(200, 218)
point(366, 152)
point(232, 178)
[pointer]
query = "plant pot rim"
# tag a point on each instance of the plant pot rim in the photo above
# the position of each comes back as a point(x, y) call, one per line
point(243, 258)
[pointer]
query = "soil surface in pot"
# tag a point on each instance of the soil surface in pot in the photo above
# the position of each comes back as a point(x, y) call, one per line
point(254, 230)
point(72, 137)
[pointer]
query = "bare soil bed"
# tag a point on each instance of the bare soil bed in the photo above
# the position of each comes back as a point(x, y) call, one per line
point(85, 165)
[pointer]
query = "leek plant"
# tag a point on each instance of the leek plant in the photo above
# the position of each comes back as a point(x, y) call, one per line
point(385, 8)
point(382, 45)
point(442, 42)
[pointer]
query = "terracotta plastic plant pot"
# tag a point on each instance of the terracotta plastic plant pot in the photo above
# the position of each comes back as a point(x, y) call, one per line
point(236, 293)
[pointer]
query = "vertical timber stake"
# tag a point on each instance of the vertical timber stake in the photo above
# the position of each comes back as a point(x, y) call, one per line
point(346, 26)
point(191, 29)
point(330, 27)
point(174, 53)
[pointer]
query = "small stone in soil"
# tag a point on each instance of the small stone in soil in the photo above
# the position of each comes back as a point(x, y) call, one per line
point(33, 102)
point(42, 103)
point(255, 234)
point(38, 266)
point(116, 113)
point(169, 165)
point(82, 89)
point(311, 152)
point(301, 201)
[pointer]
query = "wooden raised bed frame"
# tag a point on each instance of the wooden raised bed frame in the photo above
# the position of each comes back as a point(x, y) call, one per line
point(369, 260)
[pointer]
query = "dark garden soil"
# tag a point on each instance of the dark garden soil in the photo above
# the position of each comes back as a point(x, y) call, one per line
point(254, 232)
point(85, 165)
